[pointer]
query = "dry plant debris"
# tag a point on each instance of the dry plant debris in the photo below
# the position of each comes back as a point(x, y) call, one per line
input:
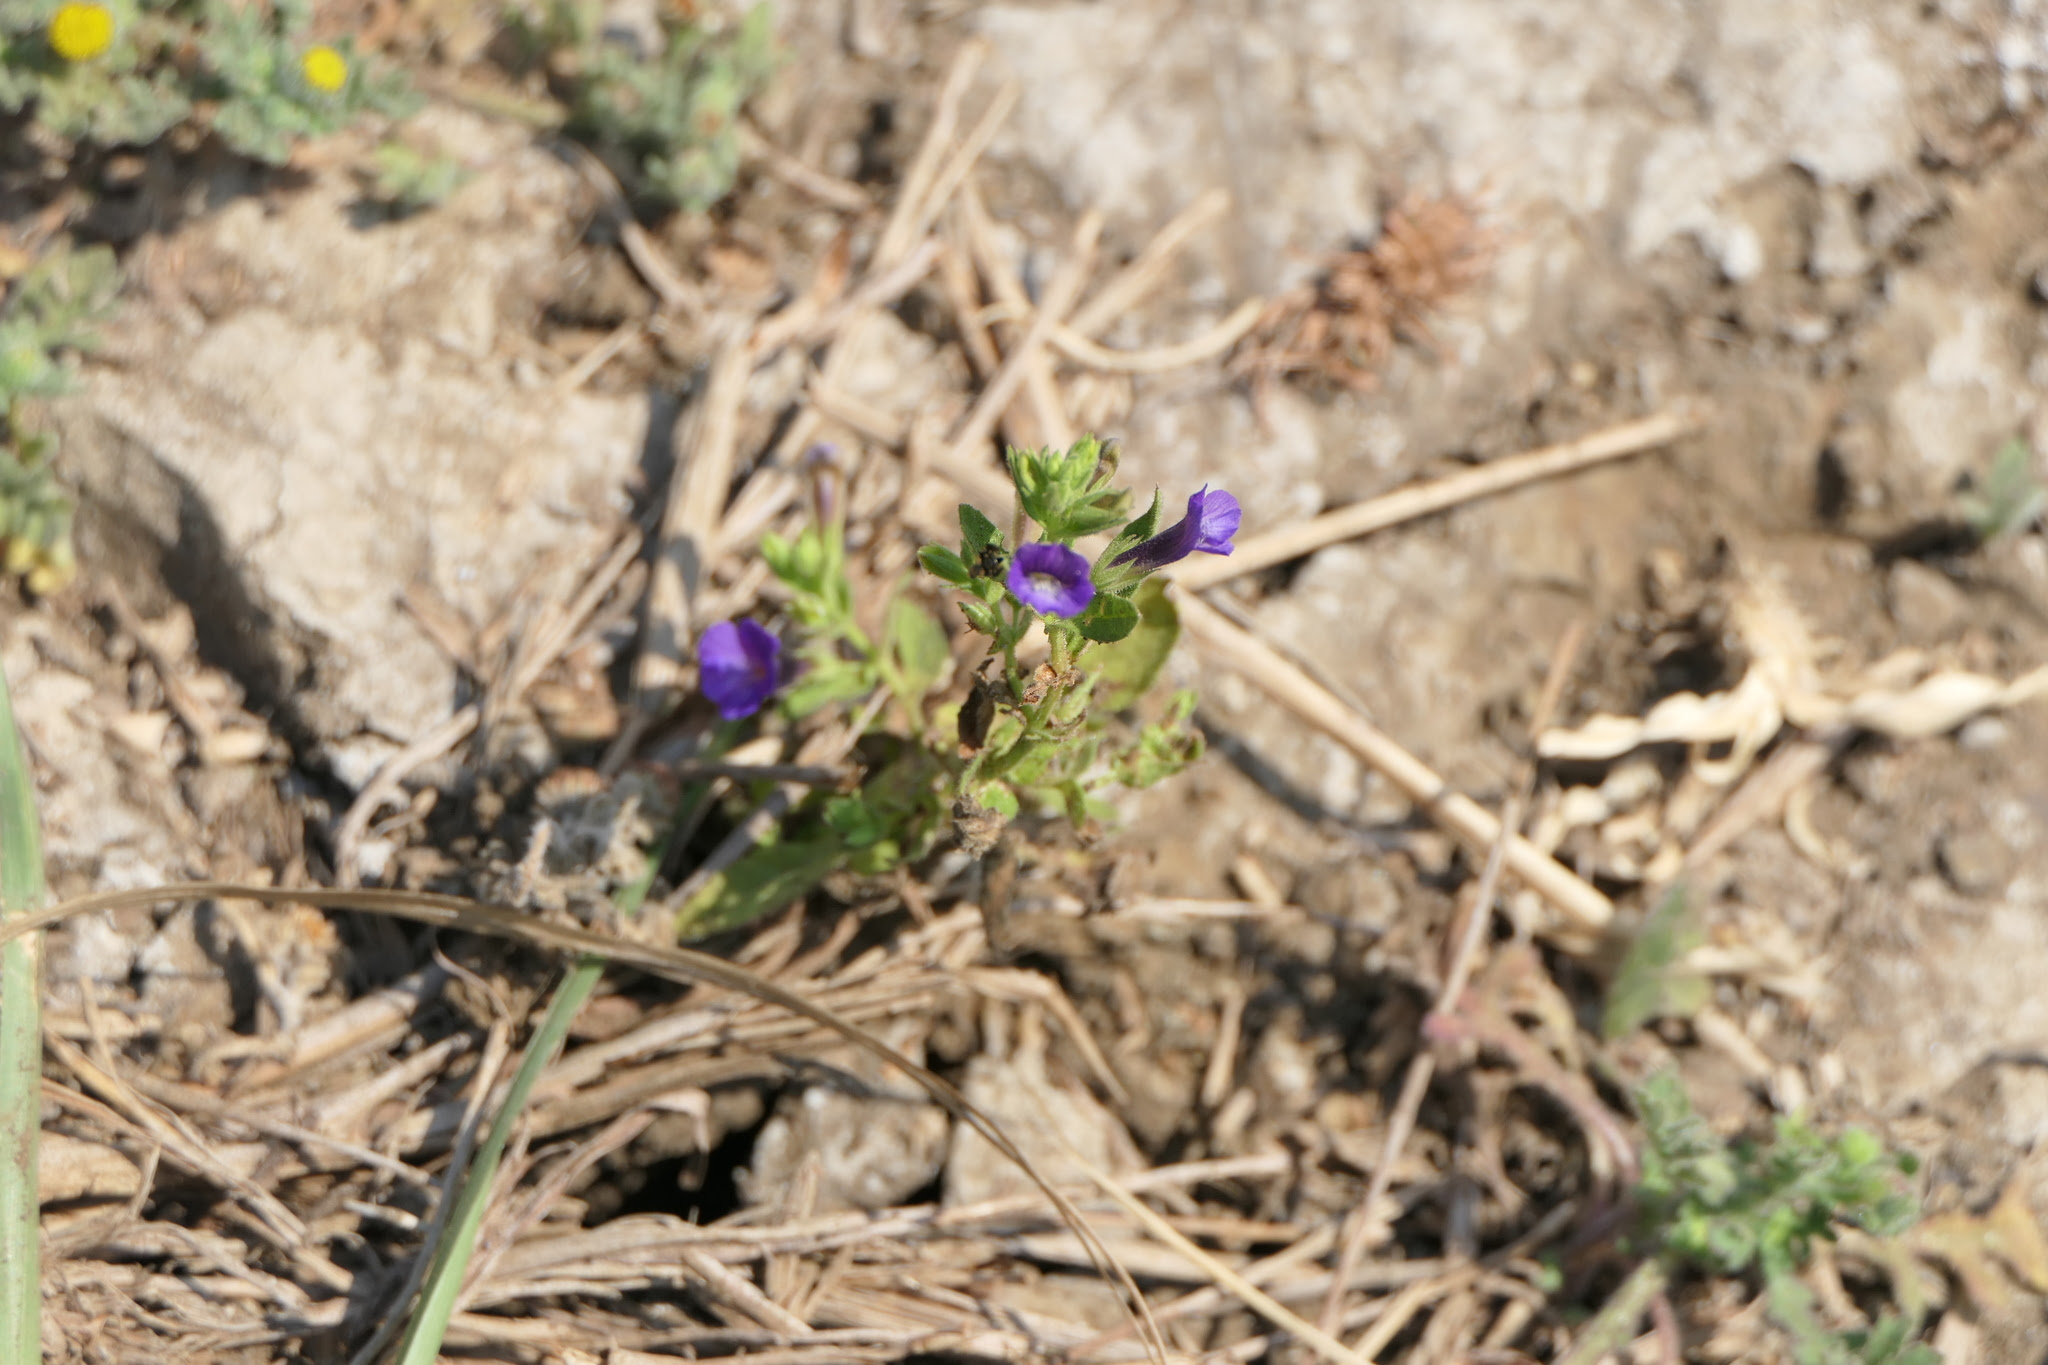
point(1340, 327)
point(1909, 694)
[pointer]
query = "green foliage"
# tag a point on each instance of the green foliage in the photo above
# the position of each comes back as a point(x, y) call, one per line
point(1649, 984)
point(50, 311)
point(667, 120)
point(1130, 666)
point(1040, 736)
point(409, 180)
point(1742, 1208)
point(240, 69)
point(21, 1051)
point(1051, 743)
point(764, 881)
point(2011, 498)
point(1163, 748)
point(1070, 493)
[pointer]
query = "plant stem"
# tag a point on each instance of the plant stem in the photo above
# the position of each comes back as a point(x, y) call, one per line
point(21, 1055)
point(429, 1322)
point(1615, 1324)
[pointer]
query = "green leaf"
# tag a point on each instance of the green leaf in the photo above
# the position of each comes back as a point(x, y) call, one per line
point(410, 180)
point(761, 883)
point(876, 858)
point(2011, 498)
point(998, 798)
point(1096, 514)
point(825, 684)
point(982, 617)
point(1108, 619)
point(1026, 763)
point(21, 1051)
point(1143, 527)
point(1648, 985)
point(1068, 492)
point(1163, 749)
point(918, 646)
point(779, 553)
point(943, 563)
point(1129, 667)
point(977, 531)
point(855, 820)
point(799, 563)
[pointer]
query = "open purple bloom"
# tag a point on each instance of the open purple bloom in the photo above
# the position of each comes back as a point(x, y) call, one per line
point(1052, 579)
point(737, 664)
point(1207, 528)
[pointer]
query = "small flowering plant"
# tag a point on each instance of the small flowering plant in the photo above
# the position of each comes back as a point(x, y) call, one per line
point(50, 314)
point(1070, 642)
point(1106, 623)
point(658, 103)
point(124, 72)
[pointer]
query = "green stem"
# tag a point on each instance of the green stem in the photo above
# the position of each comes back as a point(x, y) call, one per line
point(21, 1055)
point(429, 1322)
point(1615, 1324)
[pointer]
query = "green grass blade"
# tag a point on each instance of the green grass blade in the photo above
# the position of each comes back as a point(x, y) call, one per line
point(429, 1321)
point(21, 1054)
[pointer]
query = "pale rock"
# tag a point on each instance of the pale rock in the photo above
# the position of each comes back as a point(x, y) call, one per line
point(1925, 602)
point(344, 424)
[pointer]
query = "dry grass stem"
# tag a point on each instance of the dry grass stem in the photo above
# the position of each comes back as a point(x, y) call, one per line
point(952, 178)
point(438, 740)
point(1584, 907)
point(914, 209)
point(1069, 342)
point(974, 429)
point(1048, 406)
point(1406, 504)
point(829, 190)
point(1127, 288)
point(538, 648)
point(597, 357)
point(1467, 931)
point(1267, 1307)
point(497, 1049)
point(676, 293)
point(191, 1099)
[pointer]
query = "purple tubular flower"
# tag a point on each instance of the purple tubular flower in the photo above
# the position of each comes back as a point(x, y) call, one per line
point(1211, 521)
point(737, 667)
point(1052, 579)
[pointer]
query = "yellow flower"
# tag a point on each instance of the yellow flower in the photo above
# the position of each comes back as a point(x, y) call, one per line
point(324, 68)
point(81, 30)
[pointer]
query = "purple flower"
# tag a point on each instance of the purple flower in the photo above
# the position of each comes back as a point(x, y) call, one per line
point(1207, 528)
point(1052, 579)
point(737, 666)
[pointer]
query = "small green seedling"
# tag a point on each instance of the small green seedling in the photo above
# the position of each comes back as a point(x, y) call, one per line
point(662, 108)
point(2011, 498)
point(1746, 1208)
point(49, 314)
point(1652, 982)
point(408, 180)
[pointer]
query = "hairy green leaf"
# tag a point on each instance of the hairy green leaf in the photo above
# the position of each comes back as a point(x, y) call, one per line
point(1129, 667)
point(1649, 984)
point(761, 883)
point(1107, 620)
point(917, 647)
